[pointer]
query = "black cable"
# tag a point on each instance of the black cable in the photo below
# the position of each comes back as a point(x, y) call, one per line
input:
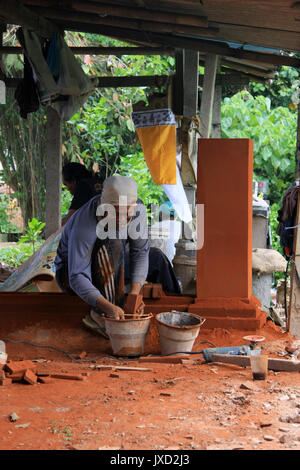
point(104, 355)
point(62, 351)
point(183, 352)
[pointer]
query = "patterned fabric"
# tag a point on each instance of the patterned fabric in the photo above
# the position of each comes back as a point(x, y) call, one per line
point(156, 130)
point(108, 270)
point(158, 117)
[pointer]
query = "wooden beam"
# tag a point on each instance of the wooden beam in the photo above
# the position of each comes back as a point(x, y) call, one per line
point(267, 37)
point(139, 25)
point(53, 172)
point(105, 9)
point(192, 7)
point(117, 51)
point(244, 68)
point(115, 82)
point(233, 69)
point(248, 76)
point(208, 95)
point(152, 80)
point(203, 45)
point(16, 13)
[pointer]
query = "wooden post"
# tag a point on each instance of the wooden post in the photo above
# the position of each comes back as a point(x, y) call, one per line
point(53, 172)
point(293, 321)
point(216, 114)
point(190, 83)
point(190, 107)
point(177, 88)
point(208, 94)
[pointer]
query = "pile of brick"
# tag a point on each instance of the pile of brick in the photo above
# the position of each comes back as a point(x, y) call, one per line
point(26, 372)
point(19, 371)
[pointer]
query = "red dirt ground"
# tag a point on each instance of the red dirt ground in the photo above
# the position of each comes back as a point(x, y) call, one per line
point(174, 406)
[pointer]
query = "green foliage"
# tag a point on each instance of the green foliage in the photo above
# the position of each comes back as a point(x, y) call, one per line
point(66, 198)
point(102, 132)
point(135, 166)
point(283, 90)
point(32, 233)
point(6, 211)
point(274, 208)
point(16, 255)
point(273, 132)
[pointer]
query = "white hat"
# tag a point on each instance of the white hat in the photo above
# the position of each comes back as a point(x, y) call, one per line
point(119, 190)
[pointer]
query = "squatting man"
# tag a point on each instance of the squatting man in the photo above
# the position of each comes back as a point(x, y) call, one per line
point(90, 256)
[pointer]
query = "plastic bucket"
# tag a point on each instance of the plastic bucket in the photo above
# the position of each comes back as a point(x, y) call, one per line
point(127, 337)
point(177, 331)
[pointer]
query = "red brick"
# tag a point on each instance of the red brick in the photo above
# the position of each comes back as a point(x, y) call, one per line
point(5, 381)
point(157, 291)
point(67, 376)
point(82, 355)
point(19, 366)
point(30, 377)
point(161, 359)
point(132, 303)
point(16, 376)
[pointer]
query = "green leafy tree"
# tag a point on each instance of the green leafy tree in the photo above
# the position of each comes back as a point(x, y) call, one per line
point(283, 90)
point(6, 212)
point(273, 131)
point(135, 166)
point(33, 233)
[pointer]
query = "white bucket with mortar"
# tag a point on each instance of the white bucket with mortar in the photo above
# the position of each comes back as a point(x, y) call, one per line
point(127, 337)
point(177, 331)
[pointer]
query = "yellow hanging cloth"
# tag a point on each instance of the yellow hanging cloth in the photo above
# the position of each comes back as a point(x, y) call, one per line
point(156, 130)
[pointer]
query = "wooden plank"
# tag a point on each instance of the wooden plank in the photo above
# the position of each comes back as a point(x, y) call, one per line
point(265, 37)
point(191, 7)
point(153, 80)
point(248, 69)
point(133, 13)
point(214, 47)
point(117, 51)
point(150, 22)
point(208, 95)
point(14, 12)
point(244, 361)
point(105, 9)
point(116, 82)
point(53, 172)
point(257, 14)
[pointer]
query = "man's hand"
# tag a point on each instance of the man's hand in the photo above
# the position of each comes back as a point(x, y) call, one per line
point(111, 310)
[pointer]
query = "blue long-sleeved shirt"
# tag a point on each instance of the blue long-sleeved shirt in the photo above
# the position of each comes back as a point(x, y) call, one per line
point(76, 246)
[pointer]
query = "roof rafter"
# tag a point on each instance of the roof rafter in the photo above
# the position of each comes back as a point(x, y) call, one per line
point(105, 10)
point(14, 12)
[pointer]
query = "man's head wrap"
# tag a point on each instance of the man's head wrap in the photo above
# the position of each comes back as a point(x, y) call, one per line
point(119, 190)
